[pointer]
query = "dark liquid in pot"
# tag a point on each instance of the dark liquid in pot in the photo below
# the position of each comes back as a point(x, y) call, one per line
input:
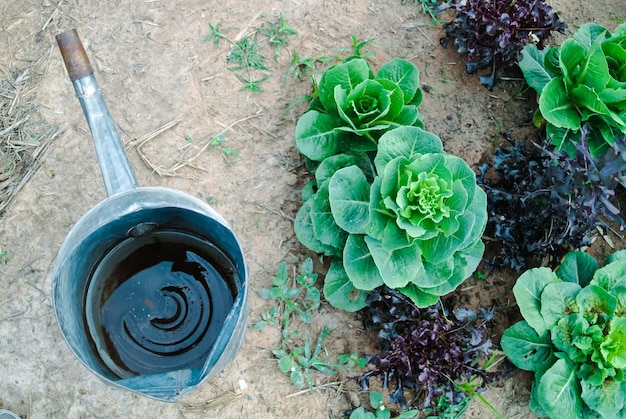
point(159, 302)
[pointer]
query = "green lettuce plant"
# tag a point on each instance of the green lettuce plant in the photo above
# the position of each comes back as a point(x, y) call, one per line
point(411, 220)
point(355, 107)
point(573, 337)
point(582, 81)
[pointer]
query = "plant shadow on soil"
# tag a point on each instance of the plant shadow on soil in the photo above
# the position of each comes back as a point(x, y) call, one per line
point(154, 67)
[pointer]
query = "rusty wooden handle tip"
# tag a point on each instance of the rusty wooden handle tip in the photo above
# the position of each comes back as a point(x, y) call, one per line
point(74, 55)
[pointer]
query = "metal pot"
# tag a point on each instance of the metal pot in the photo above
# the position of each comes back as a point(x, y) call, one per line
point(163, 334)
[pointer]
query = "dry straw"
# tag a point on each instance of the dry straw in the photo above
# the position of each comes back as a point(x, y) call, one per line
point(24, 135)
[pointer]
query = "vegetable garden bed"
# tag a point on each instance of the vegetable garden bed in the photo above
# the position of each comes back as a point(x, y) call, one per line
point(386, 210)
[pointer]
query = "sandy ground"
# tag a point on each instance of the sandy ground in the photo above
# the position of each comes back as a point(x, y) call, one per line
point(154, 68)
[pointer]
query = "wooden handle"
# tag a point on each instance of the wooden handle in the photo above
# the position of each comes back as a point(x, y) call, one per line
point(74, 55)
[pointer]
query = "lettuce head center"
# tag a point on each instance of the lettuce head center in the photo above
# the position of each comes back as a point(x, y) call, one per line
point(423, 196)
point(365, 106)
point(367, 102)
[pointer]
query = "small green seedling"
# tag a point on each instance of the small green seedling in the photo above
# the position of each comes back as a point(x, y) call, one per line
point(277, 33)
point(245, 54)
point(380, 411)
point(4, 257)
point(446, 409)
point(357, 47)
point(305, 66)
point(218, 144)
point(429, 7)
point(270, 317)
point(522, 91)
point(471, 389)
point(300, 363)
point(297, 300)
point(356, 50)
point(302, 299)
point(217, 34)
point(352, 360)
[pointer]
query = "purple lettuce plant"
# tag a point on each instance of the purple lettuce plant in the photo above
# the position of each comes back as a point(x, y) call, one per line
point(425, 349)
point(493, 33)
point(543, 201)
